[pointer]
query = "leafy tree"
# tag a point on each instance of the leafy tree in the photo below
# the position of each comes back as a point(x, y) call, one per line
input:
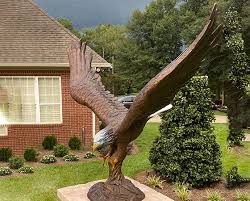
point(69, 25)
point(186, 151)
point(154, 41)
point(106, 39)
point(118, 84)
point(139, 51)
point(109, 40)
point(196, 5)
point(227, 66)
point(236, 82)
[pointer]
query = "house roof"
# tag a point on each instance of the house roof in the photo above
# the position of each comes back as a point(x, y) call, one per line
point(29, 37)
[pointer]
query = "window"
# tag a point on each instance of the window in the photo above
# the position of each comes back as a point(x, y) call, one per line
point(29, 100)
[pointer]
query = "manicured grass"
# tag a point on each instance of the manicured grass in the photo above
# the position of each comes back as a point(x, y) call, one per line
point(230, 157)
point(219, 113)
point(42, 185)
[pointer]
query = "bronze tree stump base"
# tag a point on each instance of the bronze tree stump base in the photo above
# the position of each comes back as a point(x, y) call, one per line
point(79, 192)
point(123, 190)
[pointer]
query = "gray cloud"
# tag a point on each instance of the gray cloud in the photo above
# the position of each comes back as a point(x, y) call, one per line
point(88, 13)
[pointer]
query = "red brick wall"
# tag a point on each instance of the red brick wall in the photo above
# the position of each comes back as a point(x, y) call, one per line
point(75, 118)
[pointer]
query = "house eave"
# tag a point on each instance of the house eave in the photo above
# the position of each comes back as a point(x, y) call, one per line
point(41, 66)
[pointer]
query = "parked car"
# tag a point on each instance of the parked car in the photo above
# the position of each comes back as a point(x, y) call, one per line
point(127, 101)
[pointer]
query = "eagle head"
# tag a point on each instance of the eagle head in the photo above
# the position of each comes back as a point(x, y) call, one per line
point(102, 140)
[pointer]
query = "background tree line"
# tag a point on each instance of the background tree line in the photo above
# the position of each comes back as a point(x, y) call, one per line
point(154, 37)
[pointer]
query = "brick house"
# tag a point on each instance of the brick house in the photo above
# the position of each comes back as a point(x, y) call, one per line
point(34, 80)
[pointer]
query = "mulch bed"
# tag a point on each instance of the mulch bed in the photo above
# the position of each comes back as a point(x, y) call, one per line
point(134, 150)
point(195, 194)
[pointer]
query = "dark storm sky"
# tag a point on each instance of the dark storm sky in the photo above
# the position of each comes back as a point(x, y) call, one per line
point(88, 13)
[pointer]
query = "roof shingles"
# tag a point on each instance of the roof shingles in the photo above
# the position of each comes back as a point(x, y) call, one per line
point(29, 35)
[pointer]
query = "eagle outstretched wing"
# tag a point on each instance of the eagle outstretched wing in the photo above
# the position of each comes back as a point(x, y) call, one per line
point(161, 90)
point(86, 87)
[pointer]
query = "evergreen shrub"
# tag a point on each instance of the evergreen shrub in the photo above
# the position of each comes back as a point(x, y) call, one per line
point(74, 143)
point(186, 151)
point(49, 142)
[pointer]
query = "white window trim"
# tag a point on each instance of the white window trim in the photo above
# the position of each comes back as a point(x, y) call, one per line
point(5, 131)
point(37, 102)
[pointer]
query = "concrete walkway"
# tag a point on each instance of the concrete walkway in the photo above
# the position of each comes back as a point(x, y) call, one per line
point(218, 119)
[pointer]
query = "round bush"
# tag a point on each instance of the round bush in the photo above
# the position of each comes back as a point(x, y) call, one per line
point(61, 150)
point(5, 154)
point(26, 170)
point(49, 142)
point(71, 158)
point(30, 155)
point(48, 159)
point(16, 163)
point(75, 143)
point(186, 151)
point(234, 179)
point(4, 171)
point(89, 155)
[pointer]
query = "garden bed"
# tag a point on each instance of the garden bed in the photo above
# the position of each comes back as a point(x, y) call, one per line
point(59, 162)
point(195, 194)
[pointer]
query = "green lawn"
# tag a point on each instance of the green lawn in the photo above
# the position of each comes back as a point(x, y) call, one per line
point(230, 157)
point(247, 131)
point(219, 113)
point(43, 184)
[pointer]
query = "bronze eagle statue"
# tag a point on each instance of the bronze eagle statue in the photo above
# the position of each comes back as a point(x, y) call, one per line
point(125, 125)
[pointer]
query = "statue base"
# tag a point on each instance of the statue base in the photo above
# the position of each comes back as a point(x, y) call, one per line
point(79, 192)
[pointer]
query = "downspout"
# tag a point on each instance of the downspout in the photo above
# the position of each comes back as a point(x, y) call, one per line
point(93, 125)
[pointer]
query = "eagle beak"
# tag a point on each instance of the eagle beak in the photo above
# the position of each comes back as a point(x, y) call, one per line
point(94, 147)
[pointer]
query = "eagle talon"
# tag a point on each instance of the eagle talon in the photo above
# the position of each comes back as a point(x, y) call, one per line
point(113, 162)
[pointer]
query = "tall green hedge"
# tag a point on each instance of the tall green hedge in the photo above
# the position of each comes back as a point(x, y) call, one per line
point(187, 151)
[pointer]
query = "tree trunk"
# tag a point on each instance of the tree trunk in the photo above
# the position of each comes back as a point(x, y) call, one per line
point(116, 188)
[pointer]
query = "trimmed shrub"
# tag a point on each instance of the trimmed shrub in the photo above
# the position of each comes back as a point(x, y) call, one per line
point(61, 150)
point(49, 142)
point(5, 154)
point(186, 151)
point(71, 158)
point(16, 162)
point(4, 171)
point(30, 155)
point(74, 143)
point(26, 170)
point(89, 155)
point(47, 159)
point(234, 179)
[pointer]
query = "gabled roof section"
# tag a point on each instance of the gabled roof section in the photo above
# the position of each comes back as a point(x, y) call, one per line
point(28, 36)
